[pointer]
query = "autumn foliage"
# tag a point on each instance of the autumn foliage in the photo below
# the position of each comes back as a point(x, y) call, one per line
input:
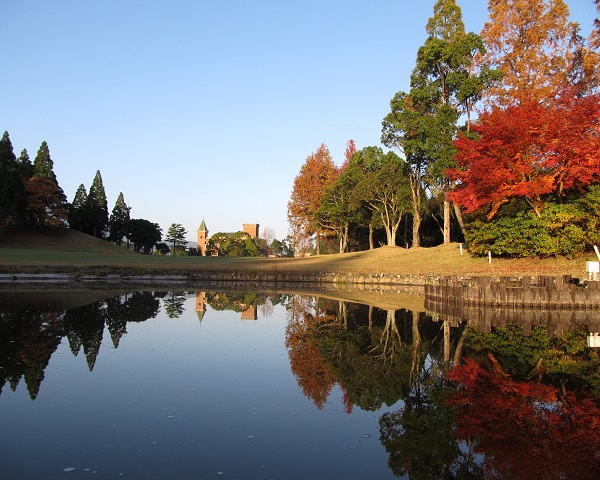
point(317, 173)
point(524, 429)
point(532, 150)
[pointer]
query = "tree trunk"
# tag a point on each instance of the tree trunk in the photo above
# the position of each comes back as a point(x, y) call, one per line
point(415, 187)
point(371, 245)
point(415, 230)
point(343, 238)
point(318, 243)
point(446, 222)
point(460, 219)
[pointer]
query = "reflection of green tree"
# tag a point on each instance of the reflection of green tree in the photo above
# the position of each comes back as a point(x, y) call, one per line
point(174, 305)
point(28, 338)
point(419, 437)
point(384, 356)
point(420, 440)
point(84, 327)
point(30, 335)
point(236, 301)
point(368, 378)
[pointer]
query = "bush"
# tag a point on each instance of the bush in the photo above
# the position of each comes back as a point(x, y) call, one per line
point(562, 229)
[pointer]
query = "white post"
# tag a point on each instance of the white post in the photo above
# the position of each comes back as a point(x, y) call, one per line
point(460, 246)
point(489, 256)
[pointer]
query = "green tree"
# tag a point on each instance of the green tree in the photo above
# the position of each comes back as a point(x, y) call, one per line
point(26, 168)
point(176, 235)
point(384, 188)
point(12, 192)
point(239, 244)
point(43, 164)
point(445, 85)
point(334, 213)
point(77, 209)
point(282, 248)
point(118, 220)
point(143, 234)
point(406, 129)
point(97, 208)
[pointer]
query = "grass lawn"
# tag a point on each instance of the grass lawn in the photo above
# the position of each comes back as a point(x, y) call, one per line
point(74, 252)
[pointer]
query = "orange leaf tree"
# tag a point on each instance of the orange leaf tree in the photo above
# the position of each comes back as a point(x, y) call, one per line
point(317, 173)
point(536, 47)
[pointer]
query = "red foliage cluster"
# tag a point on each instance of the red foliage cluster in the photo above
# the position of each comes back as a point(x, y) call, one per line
point(529, 151)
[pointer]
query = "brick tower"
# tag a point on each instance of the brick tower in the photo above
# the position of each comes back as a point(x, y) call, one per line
point(202, 238)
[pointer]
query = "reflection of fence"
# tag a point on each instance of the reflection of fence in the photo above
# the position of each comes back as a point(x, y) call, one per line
point(559, 303)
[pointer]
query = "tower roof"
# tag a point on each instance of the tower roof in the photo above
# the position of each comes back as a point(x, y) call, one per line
point(202, 227)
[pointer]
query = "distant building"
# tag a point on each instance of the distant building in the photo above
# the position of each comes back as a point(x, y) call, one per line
point(250, 228)
point(202, 238)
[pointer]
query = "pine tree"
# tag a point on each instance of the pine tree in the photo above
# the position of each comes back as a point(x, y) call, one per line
point(43, 164)
point(97, 208)
point(77, 209)
point(12, 193)
point(118, 221)
point(176, 235)
point(26, 168)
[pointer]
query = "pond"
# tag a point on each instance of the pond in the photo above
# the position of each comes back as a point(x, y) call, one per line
point(257, 385)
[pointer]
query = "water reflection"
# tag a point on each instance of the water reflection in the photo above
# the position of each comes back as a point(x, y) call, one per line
point(451, 400)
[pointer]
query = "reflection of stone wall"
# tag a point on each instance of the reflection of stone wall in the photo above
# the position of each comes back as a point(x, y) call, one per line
point(484, 318)
point(558, 303)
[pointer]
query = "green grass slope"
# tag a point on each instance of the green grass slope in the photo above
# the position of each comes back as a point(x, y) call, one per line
point(75, 252)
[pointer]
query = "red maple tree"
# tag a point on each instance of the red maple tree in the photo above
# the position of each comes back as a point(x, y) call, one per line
point(531, 150)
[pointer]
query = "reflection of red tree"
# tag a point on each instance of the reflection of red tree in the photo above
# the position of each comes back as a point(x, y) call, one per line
point(526, 430)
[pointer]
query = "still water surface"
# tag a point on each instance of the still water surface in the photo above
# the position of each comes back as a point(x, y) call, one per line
point(256, 386)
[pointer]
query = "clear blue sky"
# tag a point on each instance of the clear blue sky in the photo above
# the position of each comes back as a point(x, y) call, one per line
point(207, 109)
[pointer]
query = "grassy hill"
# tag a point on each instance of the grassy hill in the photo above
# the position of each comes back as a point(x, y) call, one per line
point(71, 251)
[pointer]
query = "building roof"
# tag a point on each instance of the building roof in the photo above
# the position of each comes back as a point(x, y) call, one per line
point(202, 227)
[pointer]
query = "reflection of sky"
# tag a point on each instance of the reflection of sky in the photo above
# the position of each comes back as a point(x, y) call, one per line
point(185, 399)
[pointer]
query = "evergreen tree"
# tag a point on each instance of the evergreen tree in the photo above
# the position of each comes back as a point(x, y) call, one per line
point(26, 168)
point(43, 164)
point(12, 193)
point(97, 208)
point(77, 209)
point(118, 221)
point(176, 235)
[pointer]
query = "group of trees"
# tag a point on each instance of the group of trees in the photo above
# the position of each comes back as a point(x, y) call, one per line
point(29, 192)
point(31, 198)
point(89, 214)
point(531, 154)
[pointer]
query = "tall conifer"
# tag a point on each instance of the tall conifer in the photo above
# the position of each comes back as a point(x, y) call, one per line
point(12, 193)
point(118, 221)
point(97, 207)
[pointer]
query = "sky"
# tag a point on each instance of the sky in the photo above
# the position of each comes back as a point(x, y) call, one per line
point(198, 109)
